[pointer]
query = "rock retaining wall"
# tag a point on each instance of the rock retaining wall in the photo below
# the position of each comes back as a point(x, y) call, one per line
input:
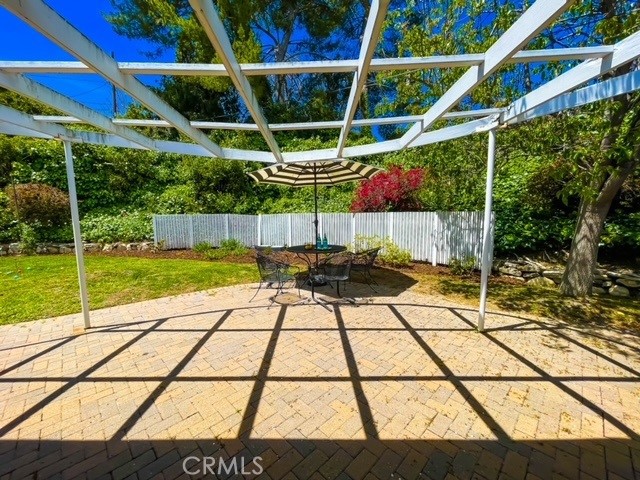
point(618, 283)
point(53, 248)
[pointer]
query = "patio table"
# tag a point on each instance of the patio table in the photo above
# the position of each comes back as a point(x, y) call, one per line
point(307, 254)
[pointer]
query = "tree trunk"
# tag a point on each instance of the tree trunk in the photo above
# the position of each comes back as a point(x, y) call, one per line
point(281, 56)
point(577, 280)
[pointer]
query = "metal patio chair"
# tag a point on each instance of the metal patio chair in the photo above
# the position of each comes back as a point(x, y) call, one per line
point(336, 269)
point(274, 272)
point(362, 263)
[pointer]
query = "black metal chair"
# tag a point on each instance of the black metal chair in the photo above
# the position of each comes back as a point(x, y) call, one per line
point(274, 272)
point(336, 269)
point(362, 263)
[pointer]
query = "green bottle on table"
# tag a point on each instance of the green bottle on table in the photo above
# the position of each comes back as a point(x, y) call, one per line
point(325, 244)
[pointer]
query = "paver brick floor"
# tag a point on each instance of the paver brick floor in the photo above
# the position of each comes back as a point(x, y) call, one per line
point(397, 387)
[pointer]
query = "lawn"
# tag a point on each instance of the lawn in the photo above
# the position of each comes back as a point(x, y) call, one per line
point(608, 311)
point(46, 286)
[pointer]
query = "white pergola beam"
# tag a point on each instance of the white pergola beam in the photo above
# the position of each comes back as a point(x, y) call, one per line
point(560, 54)
point(323, 66)
point(28, 88)
point(24, 122)
point(310, 155)
point(532, 21)
point(624, 52)
point(213, 27)
point(377, 14)
point(455, 131)
point(613, 87)
point(15, 130)
point(387, 146)
point(435, 136)
point(252, 127)
point(48, 22)
point(13, 122)
point(249, 155)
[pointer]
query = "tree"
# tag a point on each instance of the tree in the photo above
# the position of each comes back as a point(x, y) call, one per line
point(259, 30)
point(601, 172)
point(393, 190)
point(429, 27)
point(220, 186)
point(599, 152)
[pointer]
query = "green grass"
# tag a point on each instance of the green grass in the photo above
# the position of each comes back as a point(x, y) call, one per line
point(607, 311)
point(46, 286)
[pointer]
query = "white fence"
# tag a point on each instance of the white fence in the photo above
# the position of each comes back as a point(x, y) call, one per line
point(430, 236)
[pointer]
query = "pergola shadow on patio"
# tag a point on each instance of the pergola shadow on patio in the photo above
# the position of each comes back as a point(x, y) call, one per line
point(385, 282)
point(577, 85)
point(388, 389)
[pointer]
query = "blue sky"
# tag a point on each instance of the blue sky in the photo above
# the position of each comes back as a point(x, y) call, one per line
point(18, 41)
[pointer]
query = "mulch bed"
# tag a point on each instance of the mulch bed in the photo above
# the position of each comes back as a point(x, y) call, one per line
point(418, 268)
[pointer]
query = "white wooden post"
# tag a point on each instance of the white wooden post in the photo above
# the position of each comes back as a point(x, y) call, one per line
point(155, 230)
point(434, 246)
point(226, 227)
point(390, 226)
point(77, 236)
point(190, 217)
point(259, 229)
point(290, 227)
point(353, 231)
point(487, 238)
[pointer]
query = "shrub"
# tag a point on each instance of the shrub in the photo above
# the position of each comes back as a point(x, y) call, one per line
point(124, 227)
point(622, 231)
point(175, 199)
point(56, 234)
point(395, 256)
point(364, 242)
point(202, 247)
point(228, 248)
point(233, 245)
point(390, 253)
point(9, 230)
point(39, 204)
point(393, 190)
point(462, 267)
point(29, 239)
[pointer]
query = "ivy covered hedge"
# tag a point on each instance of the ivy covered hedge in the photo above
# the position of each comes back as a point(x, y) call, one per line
point(123, 227)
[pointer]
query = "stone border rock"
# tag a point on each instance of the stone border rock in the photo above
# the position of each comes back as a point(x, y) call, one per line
point(56, 248)
point(620, 283)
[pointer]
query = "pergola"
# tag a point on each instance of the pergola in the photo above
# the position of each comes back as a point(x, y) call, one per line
point(559, 94)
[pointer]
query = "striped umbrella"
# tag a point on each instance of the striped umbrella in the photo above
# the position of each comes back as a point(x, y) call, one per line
point(329, 172)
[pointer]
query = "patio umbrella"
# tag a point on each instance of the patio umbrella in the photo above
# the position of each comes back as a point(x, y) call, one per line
point(330, 172)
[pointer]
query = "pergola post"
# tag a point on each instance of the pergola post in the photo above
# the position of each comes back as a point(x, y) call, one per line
point(487, 234)
point(77, 238)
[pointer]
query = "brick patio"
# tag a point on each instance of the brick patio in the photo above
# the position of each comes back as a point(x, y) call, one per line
point(399, 387)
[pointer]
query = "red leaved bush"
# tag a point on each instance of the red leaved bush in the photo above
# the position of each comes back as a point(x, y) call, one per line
point(393, 190)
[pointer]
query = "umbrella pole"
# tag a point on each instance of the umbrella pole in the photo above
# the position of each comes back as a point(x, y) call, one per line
point(315, 204)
